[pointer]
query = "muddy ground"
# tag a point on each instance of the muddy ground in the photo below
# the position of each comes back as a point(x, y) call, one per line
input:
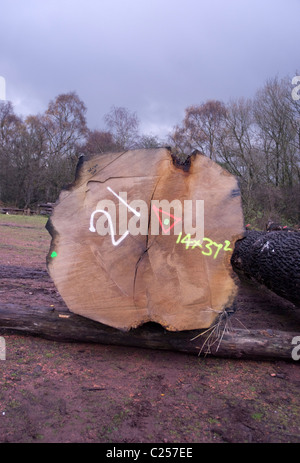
point(60, 392)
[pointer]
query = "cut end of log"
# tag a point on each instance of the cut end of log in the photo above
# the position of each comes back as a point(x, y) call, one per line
point(141, 237)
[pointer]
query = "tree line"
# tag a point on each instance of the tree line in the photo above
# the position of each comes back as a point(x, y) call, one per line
point(39, 154)
point(257, 140)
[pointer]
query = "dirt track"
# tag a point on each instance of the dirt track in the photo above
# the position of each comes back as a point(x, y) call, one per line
point(60, 392)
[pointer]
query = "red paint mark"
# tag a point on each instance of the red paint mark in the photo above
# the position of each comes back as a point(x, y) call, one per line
point(160, 211)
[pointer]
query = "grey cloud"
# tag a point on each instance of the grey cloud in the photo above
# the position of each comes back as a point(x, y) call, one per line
point(153, 57)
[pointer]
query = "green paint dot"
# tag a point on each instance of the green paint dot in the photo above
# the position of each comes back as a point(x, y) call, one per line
point(166, 222)
point(54, 254)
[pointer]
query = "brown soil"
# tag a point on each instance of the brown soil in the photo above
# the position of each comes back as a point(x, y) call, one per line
point(79, 392)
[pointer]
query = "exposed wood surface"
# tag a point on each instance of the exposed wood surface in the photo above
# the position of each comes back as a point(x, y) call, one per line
point(146, 277)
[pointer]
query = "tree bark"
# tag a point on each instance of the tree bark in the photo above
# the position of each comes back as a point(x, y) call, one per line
point(271, 259)
point(66, 326)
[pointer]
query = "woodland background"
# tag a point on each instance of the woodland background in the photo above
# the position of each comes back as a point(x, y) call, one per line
point(257, 140)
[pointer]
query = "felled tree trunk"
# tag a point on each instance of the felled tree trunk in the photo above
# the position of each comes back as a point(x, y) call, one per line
point(271, 259)
point(116, 285)
point(139, 237)
point(62, 325)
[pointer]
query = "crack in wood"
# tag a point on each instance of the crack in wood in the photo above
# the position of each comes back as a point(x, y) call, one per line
point(145, 251)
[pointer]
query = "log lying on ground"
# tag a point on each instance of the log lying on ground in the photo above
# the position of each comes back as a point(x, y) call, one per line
point(147, 270)
point(271, 259)
point(64, 325)
point(127, 289)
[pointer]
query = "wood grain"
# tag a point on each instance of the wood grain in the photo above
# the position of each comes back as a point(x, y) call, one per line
point(146, 277)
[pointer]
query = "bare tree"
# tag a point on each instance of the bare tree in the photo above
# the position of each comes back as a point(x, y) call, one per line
point(274, 119)
point(99, 141)
point(11, 130)
point(235, 141)
point(148, 141)
point(257, 140)
point(200, 128)
point(65, 124)
point(295, 108)
point(179, 140)
point(124, 125)
point(238, 150)
point(65, 127)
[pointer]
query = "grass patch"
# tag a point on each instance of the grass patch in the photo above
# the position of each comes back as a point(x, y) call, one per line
point(23, 237)
point(25, 220)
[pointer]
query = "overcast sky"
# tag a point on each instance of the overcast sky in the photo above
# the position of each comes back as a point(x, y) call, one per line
point(154, 57)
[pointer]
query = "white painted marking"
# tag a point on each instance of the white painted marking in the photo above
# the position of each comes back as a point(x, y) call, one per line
point(265, 246)
point(93, 229)
point(102, 211)
point(124, 202)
